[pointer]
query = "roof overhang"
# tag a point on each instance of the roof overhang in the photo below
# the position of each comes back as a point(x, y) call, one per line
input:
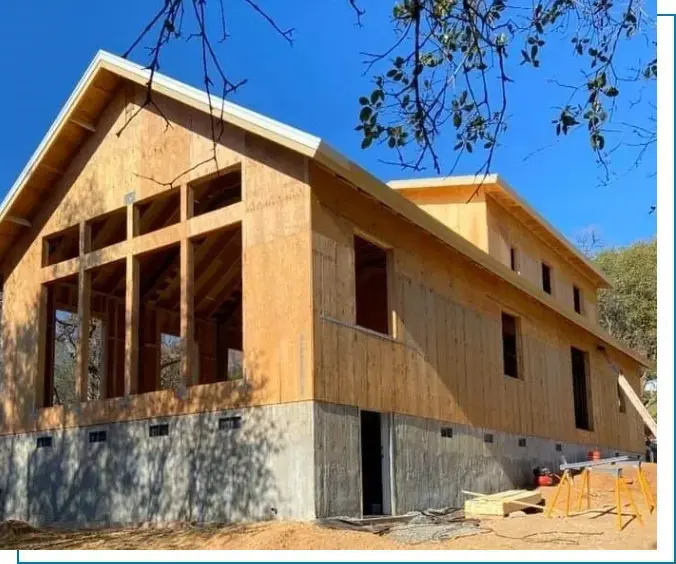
point(501, 192)
point(105, 74)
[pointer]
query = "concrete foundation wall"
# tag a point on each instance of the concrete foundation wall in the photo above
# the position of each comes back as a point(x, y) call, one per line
point(289, 461)
point(337, 461)
point(431, 470)
point(198, 472)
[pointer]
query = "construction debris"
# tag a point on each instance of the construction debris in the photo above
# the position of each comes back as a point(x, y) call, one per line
point(415, 527)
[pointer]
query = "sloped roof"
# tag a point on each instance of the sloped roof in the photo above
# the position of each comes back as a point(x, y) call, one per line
point(507, 197)
point(77, 120)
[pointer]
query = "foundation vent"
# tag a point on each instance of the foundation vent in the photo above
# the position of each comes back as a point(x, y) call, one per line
point(488, 437)
point(44, 442)
point(447, 432)
point(522, 442)
point(161, 430)
point(228, 423)
point(559, 448)
point(98, 436)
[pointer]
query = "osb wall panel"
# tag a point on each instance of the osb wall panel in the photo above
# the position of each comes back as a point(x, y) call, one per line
point(446, 360)
point(463, 210)
point(505, 231)
point(143, 155)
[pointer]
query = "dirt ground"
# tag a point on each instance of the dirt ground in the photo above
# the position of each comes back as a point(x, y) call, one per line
point(595, 529)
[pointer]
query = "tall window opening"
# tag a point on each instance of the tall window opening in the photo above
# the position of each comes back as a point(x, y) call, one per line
point(107, 331)
point(60, 342)
point(546, 278)
point(370, 262)
point(581, 388)
point(577, 299)
point(510, 345)
point(513, 259)
point(218, 306)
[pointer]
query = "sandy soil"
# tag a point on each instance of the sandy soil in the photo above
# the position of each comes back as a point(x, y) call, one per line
point(594, 529)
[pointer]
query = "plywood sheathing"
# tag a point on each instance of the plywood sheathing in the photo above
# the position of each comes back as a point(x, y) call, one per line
point(447, 363)
point(276, 238)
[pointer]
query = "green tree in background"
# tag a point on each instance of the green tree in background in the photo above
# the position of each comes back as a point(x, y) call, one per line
point(628, 310)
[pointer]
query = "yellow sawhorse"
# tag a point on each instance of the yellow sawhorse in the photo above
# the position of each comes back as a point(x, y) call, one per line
point(620, 486)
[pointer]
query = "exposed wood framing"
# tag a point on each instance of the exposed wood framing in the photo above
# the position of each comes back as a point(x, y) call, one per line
point(83, 124)
point(18, 221)
point(131, 327)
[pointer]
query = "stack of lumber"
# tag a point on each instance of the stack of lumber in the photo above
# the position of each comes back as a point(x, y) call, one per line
point(502, 503)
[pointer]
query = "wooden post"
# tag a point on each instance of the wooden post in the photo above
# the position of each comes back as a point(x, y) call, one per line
point(82, 344)
point(187, 275)
point(83, 319)
point(187, 312)
point(131, 321)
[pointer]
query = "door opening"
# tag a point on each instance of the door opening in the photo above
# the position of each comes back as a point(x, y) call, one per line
point(372, 458)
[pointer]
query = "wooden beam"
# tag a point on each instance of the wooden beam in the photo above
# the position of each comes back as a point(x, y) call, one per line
point(217, 219)
point(637, 403)
point(187, 312)
point(51, 168)
point(82, 344)
point(18, 221)
point(83, 124)
point(131, 322)
point(165, 237)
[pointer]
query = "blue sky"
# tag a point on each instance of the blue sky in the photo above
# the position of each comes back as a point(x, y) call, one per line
point(315, 85)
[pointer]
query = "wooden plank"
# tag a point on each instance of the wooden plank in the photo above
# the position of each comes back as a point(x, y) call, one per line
point(187, 268)
point(502, 503)
point(637, 403)
point(131, 338)
point(82, 343)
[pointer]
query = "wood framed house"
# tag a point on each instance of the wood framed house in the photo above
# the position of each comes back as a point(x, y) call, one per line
point(273, 332)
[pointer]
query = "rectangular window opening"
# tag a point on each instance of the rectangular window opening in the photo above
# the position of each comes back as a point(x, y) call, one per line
point(510, 345)
point(98, 436)
point(546, 278)
point(513, 259)
point(488, 437)
point(577, 299)
point(217, 192)
point(558, 447)
point(230, 423)
point(157, 212)
point(447, 432)
point(522, 442)
point(59, 341)
point(581, 389)
point(159, 430)
point(621, 400)
point(170, 361)
point(107, 331)
point(61, 246)
point(107, 229)
point(370, 262)
point(44, 442)
point(218, 306)
point(159, 318)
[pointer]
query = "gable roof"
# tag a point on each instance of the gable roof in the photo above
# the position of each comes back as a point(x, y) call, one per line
point(518, 207)
point(77, 120)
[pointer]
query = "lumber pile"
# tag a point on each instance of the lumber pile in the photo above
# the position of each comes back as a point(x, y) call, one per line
point(502, 503)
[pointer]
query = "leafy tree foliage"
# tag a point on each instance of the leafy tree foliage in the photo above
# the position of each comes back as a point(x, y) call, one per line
point(451, 68)
point(629, 310)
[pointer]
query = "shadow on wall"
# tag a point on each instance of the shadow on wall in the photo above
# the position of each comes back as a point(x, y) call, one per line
point(214, 465)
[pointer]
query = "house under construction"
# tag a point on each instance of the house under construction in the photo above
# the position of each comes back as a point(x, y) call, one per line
point(261, 329)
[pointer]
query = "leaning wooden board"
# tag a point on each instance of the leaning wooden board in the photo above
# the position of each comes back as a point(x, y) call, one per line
point(502, 503)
